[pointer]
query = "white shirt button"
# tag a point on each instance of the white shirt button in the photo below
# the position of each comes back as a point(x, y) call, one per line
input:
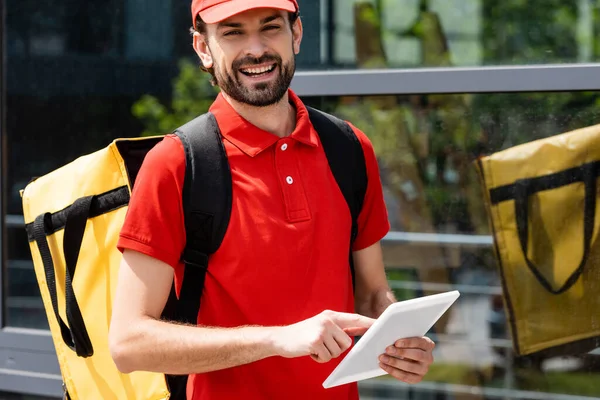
point(289, 180)
point(284, 147)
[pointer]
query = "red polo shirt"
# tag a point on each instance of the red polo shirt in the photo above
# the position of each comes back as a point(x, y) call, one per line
point(284, 257)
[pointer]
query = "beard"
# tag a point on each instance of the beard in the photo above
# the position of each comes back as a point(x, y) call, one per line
point(259, 94)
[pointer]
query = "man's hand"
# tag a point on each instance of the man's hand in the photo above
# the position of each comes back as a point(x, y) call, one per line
point(408, 360)
point(323, 337)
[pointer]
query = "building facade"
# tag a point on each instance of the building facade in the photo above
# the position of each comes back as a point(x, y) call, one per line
point(435, 84)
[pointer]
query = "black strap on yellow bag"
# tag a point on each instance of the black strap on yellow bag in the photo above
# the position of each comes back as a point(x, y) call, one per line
point(542, 202)
point(523, 189)
point(77, 338)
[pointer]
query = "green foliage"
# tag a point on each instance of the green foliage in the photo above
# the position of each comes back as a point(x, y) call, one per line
point(192, 95)
point(520, 32)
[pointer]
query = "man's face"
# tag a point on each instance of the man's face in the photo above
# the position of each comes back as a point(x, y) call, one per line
point(252, 54)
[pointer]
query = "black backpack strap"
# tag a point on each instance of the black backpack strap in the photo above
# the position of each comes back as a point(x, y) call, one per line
point(346, 161)
point(206, 200)
point(206, 206)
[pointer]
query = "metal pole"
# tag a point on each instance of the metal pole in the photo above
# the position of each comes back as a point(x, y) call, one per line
point(330, 32)
point(3, 255)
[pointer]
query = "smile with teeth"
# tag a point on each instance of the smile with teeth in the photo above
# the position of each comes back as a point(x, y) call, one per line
point(258, 71)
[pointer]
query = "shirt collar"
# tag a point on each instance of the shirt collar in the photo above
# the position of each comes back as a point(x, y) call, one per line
point(253, 140)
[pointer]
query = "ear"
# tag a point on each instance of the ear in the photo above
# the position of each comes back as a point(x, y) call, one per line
point(297, 35)
point(202, 49)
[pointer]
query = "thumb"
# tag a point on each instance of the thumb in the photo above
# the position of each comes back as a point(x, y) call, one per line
point(347, 320)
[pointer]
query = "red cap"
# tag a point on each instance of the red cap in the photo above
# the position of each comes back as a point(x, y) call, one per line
point(213, 11)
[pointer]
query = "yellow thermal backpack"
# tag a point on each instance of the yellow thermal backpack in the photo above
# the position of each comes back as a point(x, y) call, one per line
point(73, 218)
point(542, 202)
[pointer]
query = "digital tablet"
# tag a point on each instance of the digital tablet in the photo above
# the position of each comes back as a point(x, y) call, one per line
point(410, 318)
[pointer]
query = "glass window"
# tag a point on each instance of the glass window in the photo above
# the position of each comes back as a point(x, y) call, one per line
point(74, 70)
point(463, 33)
point(69, 35)
point(68, 27)
point(427, 146)
point(337, 33)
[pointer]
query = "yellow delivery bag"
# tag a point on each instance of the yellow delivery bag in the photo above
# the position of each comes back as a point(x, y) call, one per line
point(542, 203)
point(73, 216)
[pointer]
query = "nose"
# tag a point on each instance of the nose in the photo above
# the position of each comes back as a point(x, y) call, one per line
point(255, 46)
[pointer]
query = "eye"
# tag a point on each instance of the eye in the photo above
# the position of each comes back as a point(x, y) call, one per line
point(232, 33)
point(271, 27)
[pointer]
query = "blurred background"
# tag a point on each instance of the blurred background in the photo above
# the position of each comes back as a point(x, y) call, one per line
point(435, 84)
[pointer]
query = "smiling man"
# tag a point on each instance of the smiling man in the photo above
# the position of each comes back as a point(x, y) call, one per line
point(279, 308)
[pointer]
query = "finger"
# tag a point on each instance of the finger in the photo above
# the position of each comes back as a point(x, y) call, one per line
point(321, 354)
point(355, 331)
point(405, 365)
point(332, 347)
point(342, 339)
point(417, 355)
point(423, 343)
point(401, 375)
point(348, 320)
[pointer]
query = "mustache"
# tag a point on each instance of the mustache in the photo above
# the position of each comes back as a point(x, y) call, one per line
point(237, 64)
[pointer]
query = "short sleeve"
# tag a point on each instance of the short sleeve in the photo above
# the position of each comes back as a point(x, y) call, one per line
point(373, 221)
point(154, 224)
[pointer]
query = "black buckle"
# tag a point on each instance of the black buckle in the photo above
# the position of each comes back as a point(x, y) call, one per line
point(195, 258)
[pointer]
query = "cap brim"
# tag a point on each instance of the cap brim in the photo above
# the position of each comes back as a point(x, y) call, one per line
point(228, 9)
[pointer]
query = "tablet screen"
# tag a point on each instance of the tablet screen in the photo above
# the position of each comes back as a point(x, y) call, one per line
point(410, 318)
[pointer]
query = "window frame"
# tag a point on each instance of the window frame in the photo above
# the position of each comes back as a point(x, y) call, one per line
point(28, 361)
point(485, 79)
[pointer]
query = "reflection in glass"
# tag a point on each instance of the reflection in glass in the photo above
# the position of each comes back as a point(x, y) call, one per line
point(414, 33)
point(426, 146)
point(66, 27)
